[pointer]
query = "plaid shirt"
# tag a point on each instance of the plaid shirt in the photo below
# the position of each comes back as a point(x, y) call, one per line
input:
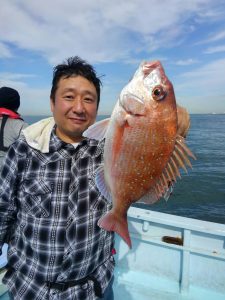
point(50, 205)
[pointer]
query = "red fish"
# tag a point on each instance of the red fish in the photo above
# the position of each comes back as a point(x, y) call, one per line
point(143, 150)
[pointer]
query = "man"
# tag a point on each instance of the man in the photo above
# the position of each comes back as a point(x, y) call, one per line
point(49, 203)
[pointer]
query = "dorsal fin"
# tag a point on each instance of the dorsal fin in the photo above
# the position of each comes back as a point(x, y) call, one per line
point(179, 158)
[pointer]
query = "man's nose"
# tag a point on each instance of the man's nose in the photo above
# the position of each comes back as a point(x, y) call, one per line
point(78, 106)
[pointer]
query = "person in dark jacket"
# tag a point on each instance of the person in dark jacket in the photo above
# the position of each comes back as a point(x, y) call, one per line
point(11, 123)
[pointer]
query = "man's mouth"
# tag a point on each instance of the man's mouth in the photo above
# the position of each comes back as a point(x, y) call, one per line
point(77, 120)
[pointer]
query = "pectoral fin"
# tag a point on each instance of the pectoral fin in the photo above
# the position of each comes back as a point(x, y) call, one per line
point(98, 130)
point(101, 184)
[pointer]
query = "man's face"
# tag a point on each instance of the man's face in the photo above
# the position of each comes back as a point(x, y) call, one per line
point(74, 108)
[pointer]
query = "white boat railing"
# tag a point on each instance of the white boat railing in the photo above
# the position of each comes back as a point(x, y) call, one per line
point(174, 254)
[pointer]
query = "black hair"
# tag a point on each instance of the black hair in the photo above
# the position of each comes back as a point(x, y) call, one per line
point(75, 66)
point(9, 98)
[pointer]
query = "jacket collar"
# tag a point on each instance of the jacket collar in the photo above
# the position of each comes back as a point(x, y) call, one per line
point(41, 136)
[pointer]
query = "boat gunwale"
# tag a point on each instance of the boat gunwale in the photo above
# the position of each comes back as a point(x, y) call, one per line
point(176, 221)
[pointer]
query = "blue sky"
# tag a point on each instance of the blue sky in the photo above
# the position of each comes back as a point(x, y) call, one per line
point(188, 37)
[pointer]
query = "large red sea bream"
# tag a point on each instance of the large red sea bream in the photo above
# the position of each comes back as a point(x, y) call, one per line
point(143, 151)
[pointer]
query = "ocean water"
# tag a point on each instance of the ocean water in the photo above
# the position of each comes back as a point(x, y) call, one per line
point(200, 194)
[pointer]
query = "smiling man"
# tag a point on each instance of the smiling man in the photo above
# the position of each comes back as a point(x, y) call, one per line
point(74, 107)
point(49, 203)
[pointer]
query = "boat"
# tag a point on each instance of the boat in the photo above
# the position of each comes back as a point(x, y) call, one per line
point(172, 258)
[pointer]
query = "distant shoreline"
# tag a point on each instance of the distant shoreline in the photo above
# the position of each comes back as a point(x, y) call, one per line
point(102, 115)
point(31, 119)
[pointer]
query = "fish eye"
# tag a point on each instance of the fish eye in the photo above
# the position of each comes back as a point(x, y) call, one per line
point(158, 93)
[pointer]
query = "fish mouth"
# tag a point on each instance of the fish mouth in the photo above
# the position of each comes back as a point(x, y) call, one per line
point(148, 67)
point(133, 104)
point(154, 74)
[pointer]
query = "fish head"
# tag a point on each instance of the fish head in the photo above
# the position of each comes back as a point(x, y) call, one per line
point(149, 92)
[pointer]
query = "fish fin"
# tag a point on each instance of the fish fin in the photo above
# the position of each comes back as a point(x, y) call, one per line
point(180, 141)
point(162, 188)
point(101, 184)
point(98, 130)
point(111, 222)
point(178, 159)
point(150, 197)
point(169, 191)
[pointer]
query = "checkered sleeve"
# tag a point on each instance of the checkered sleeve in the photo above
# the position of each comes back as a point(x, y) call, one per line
point(8, 177)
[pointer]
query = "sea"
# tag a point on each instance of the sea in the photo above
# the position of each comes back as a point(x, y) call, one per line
point(199, 194)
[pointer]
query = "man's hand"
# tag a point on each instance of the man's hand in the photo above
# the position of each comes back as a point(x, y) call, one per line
point(183, 121)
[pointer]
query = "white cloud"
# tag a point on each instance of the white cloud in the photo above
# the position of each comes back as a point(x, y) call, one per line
point(33, 101)
point(187, 62)
point(5, 51)
point(111, 31)
point(213, 37)
point(215, 49)
point(14, 80)
point(102, 31)
point(14, 76)
point(208, 80)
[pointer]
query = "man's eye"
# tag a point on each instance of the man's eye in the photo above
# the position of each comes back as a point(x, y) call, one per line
point(68, 97)
point(89, 99)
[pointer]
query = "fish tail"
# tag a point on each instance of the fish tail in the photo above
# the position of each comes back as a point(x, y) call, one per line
point(111, 222)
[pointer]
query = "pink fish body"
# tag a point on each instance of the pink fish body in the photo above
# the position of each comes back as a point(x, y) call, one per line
point(142, 151)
